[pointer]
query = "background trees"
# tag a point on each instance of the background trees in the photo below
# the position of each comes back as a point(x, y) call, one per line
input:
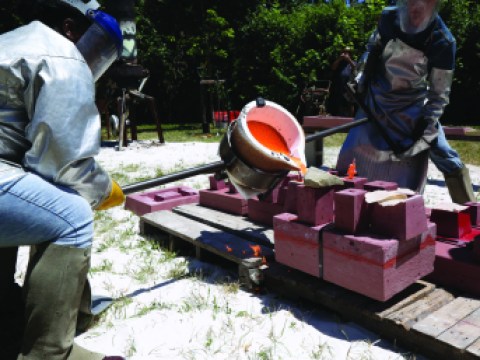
point(271, 48)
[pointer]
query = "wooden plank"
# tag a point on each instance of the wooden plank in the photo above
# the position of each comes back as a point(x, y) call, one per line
point(447, 316)
point(228, 222)
point(474, 349)
point(426, 289)
point(464, 333)
point(412, 313)
point(217, 241)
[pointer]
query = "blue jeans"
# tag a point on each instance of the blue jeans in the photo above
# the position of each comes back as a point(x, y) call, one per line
point(34, 211)
point(443, 156)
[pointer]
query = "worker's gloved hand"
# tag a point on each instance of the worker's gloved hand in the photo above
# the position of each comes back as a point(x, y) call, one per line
point(416, 148)
point(115, 198)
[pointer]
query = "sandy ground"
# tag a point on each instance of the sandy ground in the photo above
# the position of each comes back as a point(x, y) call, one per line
point(172, 307)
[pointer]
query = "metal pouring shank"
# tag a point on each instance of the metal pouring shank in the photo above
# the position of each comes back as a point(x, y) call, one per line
point(219, 166)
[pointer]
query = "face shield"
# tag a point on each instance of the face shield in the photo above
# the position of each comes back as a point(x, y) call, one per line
point(416, 15)
point(102, 43)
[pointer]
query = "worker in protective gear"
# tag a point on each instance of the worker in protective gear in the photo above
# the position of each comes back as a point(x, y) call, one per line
point(405, 78)
point(49, 179)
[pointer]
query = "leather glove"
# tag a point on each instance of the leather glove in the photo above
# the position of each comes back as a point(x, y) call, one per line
point(417, 147)
point(115, 198)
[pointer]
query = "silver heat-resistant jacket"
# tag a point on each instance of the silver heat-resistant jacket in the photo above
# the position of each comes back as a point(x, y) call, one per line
point(406, 84)
point(49, 123)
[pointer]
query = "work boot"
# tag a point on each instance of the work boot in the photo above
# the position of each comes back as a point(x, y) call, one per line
point(11, 305)
point(53, 288)
point(460, 186)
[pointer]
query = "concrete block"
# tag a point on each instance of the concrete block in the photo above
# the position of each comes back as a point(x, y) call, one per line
point(350, 210)
point(163, 199)
point(377, 267)
point(380, 185)
point(451, 224)
point(262, 212)
point(314, 205)
point(224, 200)
point(298, 245)
point(402, 221)
point(474, 210)
point(455, 267)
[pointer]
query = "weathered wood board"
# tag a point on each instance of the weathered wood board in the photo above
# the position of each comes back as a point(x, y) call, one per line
point(203, 236)
point(423, 318)
point(228, 222)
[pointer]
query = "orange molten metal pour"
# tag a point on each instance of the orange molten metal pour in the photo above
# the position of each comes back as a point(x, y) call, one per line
point(271, 138)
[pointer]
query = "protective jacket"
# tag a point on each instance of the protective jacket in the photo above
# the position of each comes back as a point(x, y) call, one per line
point(406, 80)
point(49, 123)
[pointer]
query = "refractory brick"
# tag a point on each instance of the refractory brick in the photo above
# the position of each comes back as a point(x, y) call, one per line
point(224, 200)
point(451, 223)
point(298, 245)
point(380, 185)
point(163, 199)
point(402, 221)
point(350, 210)
point(377, 267)
point(314, 205)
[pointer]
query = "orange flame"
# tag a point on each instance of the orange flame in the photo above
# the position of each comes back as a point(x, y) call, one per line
point(352, 170)
point(257, 251)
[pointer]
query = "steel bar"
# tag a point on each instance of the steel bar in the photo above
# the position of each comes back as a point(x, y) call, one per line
point(220, 165)
point(203, 169)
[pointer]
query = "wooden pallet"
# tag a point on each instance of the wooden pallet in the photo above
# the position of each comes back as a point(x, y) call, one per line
point(423, 318)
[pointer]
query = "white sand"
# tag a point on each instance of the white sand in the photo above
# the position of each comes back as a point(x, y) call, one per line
point(199, 315)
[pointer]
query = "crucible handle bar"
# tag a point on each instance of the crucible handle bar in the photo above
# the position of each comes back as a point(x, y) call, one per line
point(220, 165)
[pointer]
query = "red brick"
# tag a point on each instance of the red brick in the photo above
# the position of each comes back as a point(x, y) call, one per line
point(350, 210)
point(298, 245)
point(402, 221)
point(164, 199)
point(377, 267)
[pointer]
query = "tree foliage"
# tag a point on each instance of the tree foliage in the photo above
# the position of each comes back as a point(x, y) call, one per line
point(270, 48)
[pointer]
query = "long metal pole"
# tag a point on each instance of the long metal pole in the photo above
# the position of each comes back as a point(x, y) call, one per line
point(220, 165)
point(203, 169)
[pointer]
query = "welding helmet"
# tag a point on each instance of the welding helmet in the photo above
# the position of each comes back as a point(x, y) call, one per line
point(102, 43)
point(416, 15)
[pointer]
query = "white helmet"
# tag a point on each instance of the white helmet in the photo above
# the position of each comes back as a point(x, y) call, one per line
point(81, 5)
point(416, 15)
